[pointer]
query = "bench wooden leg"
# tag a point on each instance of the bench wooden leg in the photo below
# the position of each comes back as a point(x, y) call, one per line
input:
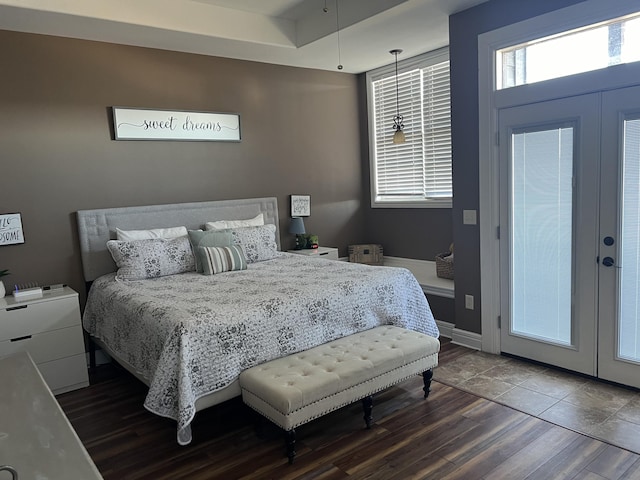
point(290, 439)
point(367, 407)
point(426, 378)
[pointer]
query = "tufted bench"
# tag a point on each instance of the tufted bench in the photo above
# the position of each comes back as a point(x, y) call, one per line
point(293, 390)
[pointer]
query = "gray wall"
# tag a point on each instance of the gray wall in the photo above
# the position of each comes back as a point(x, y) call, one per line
point(300, 131)
point(464, 29)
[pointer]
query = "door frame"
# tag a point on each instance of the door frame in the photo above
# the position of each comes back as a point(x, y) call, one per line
point(490, 101)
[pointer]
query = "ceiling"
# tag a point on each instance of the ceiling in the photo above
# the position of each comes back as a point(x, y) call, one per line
point(286, 32)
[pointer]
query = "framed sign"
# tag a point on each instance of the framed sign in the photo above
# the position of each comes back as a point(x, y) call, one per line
point(147, 124)
point(300, 205)
point(11, 229)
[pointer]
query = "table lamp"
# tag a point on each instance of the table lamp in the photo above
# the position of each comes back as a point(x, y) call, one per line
point(297, 227)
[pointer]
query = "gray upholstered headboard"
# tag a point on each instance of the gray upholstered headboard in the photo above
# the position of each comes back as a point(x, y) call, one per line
point(96, 227)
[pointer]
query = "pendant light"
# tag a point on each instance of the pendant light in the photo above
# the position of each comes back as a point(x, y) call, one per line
point(398, 136)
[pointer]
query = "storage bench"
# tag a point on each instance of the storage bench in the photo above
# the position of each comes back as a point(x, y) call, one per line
point(293, 390)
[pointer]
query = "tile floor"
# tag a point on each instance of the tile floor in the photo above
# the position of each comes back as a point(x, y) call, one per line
point(606, 412)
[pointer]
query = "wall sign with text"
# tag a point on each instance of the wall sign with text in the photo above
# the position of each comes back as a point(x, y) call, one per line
point(11, 229)
point(147, 124)
point(300, 205)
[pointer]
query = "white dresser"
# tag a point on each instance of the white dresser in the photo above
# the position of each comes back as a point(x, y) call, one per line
point(50, 329)
point(36, 438)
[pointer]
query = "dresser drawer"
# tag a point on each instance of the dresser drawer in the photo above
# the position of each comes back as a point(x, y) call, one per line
point(330, 255)
point(47, 346)
point(30, 319)
point(66, 374)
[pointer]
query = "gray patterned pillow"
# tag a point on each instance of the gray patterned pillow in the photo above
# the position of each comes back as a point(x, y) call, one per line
point(258, 243)
point(139, 259)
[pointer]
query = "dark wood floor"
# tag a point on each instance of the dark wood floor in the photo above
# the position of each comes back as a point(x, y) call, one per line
point(451, 435)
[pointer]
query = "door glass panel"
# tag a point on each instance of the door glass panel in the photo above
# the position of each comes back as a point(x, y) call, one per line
point(629, 301)
point(541, 234)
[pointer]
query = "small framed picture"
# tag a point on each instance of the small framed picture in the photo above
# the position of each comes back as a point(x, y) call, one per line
point(11, 229)
point(300, 205)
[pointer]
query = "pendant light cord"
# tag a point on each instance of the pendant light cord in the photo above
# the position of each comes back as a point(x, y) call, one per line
point(338, 34)
point(397, 94)
point(326, 10)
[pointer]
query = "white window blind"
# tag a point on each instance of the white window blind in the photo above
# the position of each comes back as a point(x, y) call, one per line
point(416, 172)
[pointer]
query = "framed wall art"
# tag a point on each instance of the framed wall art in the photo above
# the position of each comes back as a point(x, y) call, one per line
point(300, 205)
point(148, 124)
point(11, 229)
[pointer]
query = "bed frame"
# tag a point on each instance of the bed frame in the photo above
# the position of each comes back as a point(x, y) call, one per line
point(96, 227)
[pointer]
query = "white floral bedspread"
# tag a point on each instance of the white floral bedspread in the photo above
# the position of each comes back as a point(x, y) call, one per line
point(190, 334)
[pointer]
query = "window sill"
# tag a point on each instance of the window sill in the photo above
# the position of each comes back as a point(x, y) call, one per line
point(447, 203)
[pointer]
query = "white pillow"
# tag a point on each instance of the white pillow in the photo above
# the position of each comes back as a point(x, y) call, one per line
point(171, 232)
point(256, 221)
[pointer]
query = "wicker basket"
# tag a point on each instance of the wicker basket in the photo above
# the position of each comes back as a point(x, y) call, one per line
point(444, 265)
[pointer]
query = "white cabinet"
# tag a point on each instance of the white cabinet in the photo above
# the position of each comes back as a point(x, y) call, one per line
point(50, 329)
point(329, 253)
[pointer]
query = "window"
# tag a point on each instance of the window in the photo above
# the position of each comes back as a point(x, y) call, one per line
point(416, 173)
point(576, 51)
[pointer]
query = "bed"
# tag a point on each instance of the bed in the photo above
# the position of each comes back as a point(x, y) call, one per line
point(188, 335)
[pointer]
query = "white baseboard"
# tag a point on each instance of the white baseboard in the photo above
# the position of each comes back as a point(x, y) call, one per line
point(466, 339)
point(446, 328)
point(458, 336)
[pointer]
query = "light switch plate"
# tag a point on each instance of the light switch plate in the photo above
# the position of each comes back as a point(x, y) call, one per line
point(468, 302)
point(469, 217)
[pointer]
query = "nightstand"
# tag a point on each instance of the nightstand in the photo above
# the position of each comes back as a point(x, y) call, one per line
point(330, 253)
point(50, 329)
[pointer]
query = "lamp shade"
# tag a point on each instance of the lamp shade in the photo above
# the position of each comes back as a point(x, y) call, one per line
point(297, 226)
point(399, 137)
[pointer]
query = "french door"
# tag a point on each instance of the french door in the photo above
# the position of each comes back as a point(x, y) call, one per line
point(619, 242)
point(570, 233)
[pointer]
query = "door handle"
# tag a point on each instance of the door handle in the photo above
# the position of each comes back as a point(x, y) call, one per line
point(608, 262)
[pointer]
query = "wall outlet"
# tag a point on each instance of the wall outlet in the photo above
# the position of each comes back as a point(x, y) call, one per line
point(468, 302)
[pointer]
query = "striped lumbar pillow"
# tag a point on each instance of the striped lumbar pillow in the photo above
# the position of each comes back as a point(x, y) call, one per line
point(221, 259)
